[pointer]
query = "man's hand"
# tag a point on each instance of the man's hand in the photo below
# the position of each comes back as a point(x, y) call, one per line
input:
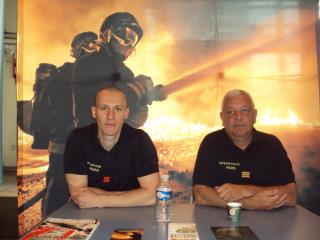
point(267, 199)
point(89, 197)
point(138, 117)
point(145, 81)
point(251, 196)
point(145, 86)
point(146, 91)
point(234, 192)
point(85, 198)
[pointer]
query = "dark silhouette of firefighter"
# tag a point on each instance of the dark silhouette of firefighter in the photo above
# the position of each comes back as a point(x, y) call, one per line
point(119, 35)
point(52, 117)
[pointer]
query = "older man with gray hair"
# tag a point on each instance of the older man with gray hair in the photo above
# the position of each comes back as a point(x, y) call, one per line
point(239, 163)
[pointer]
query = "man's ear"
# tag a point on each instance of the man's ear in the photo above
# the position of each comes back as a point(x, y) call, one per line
point(93, 111)
point(255, 113)
point(221, 117)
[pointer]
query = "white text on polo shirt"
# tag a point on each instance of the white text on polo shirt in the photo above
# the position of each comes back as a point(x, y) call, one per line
point(230, 165)
point(94, 167)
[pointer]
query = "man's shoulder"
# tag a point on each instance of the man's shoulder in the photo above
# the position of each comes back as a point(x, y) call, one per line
point(130, 131)
point(66, 66)
point(65, 71)
point(84, 133)
point(94, 57)
point(217, 135)
point(263, 136)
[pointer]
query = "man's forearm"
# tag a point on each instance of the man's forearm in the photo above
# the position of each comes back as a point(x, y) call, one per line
point(253, 197)
point(289, 191)
point(205, 195)
point(272, 197)
point(88, 197)
point(136, 197)
point(101, 191)
point(291, 194)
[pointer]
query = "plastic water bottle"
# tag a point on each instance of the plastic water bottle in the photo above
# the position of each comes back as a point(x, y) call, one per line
point(164, 199)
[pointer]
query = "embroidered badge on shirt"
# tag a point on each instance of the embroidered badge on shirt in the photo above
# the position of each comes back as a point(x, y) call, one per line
point(106, 179)
point(230, 165)
point(94, 167)
point(245, 174)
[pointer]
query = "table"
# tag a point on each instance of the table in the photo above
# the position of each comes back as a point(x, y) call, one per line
point(288, 223)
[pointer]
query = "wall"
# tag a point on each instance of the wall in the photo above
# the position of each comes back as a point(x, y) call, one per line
point(9, 154)
point(10, 16)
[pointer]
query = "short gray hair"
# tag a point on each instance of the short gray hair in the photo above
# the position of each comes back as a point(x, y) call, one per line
point(235, 93)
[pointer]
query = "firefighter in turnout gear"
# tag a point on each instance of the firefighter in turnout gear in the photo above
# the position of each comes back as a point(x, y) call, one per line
point(52, 117)
point(119, 35)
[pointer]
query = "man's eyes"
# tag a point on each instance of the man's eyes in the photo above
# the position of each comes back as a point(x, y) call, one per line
point(243, 111)
point(105, 108)
point(231, 113)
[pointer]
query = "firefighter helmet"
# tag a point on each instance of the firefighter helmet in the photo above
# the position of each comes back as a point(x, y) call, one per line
point(117, 24)
point(83, 42)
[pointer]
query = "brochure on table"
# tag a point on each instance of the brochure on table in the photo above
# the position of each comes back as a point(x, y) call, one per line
point(60, 228)
point(182, 231)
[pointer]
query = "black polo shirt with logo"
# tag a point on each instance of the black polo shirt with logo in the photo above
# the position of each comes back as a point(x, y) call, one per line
point(264, 162)
point(133, 156)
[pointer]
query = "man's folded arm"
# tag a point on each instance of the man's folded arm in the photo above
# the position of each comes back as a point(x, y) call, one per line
point(272, 197)
point(143, 196)
point(206, 195)
point(291, 194)
point(87, 197)
point(251, 197)
point(75, 182)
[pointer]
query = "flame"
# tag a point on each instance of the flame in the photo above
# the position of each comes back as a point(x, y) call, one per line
point(151, 60)
point(269, 117)
point(163, 129)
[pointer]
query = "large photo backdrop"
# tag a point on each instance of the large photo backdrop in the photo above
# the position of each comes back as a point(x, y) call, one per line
point(197, 50)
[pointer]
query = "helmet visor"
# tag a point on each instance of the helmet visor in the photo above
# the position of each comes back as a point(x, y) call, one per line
point(126, 37)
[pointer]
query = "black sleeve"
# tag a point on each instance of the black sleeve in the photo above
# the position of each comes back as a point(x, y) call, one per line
point(205, 170)
point(145, 156)
point(74, 155)
point(283, 173)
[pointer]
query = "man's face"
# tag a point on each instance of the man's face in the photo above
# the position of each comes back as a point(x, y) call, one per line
point(238, 116)
point(124, 41)
point(110, 112)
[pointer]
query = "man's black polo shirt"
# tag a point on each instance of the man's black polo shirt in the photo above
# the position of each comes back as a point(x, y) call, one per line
point(133, 156)
point(264, 162)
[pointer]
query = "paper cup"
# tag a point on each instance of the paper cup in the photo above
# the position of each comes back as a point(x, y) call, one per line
point(234, 211)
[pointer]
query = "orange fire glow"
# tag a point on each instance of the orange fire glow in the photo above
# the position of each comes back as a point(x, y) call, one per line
point(267, 62)
point(270, 118)
point(164, 129)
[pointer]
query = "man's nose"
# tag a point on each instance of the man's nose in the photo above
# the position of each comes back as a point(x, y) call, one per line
point(238, 115)
point(110, 114)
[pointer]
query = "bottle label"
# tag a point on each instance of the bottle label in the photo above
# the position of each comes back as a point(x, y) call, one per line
point(164, 194)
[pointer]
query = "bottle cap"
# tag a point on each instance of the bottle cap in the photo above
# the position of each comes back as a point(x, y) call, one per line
point(164, 177)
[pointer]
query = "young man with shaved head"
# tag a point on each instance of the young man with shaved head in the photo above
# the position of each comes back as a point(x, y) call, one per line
point(109, 163)
point(239, 163)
